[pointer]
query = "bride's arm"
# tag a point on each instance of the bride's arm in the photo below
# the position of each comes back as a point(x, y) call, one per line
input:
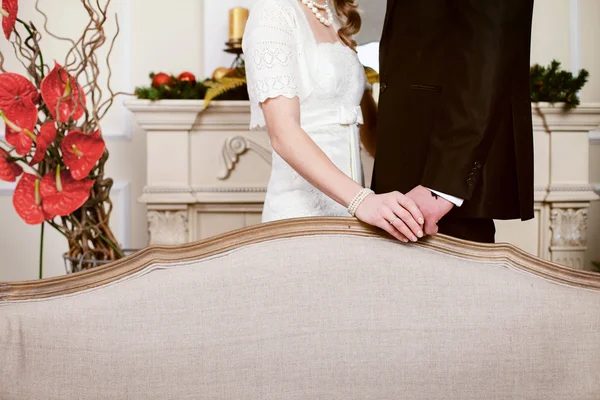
point(368, 131)
point(291, 142)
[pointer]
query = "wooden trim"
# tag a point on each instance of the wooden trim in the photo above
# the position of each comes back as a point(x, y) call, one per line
point(66, 284)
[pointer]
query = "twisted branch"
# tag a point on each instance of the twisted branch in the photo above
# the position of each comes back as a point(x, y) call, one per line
point(55, 36)
point(87, 230)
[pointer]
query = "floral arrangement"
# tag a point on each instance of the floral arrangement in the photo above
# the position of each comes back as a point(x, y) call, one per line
point(53, 142)
point(553, 85)
point(226, 84)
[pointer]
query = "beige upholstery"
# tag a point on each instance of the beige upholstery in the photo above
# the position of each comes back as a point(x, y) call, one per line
point(317, 317)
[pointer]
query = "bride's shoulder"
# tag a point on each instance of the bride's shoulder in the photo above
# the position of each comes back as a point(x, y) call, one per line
point(281, 3)
point(273, 9)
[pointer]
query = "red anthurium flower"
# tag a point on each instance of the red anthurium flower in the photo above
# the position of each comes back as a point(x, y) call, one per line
point(20, 120)
point(59, 90)
point(9, 170)
point(43, 140)
point(16, 88)
point(18, 97)
point(27, 200)
point(81, 152)
point(62, 194)
point(9, 11)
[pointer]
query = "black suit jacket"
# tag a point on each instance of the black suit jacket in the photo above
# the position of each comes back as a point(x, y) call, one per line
point(454, 107)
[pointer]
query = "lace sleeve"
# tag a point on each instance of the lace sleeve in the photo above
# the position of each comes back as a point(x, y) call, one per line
point(271, 56)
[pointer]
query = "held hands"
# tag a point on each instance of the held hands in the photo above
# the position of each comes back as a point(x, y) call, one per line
point(393, 212)
point(432, 207)
point(406, 217)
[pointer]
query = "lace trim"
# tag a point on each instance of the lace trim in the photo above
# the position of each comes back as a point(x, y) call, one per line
point(266, 56)
point(274, 86)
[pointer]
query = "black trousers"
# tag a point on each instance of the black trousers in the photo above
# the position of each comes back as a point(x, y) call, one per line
point(473, 229)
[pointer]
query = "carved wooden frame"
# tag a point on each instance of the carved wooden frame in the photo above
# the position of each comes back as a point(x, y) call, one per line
point(66, 284)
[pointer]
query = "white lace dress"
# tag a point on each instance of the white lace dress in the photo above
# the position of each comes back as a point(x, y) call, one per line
point(283, 59)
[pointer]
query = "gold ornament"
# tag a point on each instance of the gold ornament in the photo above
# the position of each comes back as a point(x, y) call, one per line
point(219, 73)
point(372, 75)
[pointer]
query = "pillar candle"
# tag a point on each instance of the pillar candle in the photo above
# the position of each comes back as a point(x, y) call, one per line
point(237, 22)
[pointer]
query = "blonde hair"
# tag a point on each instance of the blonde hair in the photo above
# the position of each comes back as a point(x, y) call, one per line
point(347, 11)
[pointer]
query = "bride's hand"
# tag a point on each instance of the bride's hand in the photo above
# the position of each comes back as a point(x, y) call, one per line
point(393, 212)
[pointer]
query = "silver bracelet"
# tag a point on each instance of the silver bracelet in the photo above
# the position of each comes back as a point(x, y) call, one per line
point(358, 199)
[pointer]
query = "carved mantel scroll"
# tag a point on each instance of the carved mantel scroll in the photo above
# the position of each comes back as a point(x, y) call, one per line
point(233, 148)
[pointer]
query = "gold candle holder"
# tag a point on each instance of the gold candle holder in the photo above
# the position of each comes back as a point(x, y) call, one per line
point(237, 23)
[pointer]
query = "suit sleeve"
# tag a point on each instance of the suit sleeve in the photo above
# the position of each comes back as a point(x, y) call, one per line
point(473, 83)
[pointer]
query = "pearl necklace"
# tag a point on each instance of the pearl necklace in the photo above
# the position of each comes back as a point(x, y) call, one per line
point(316, 7)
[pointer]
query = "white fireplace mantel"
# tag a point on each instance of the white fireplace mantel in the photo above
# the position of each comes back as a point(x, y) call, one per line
point(172, 115)
point(584, 118)
point(207, 174)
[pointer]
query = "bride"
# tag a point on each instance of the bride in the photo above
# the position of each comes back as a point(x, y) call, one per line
point(308, 88)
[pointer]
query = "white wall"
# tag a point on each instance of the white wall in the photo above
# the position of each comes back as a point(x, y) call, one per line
point(191, 37)
point(216, 32)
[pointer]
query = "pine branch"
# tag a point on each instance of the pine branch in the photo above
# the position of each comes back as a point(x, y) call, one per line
point(553, 85)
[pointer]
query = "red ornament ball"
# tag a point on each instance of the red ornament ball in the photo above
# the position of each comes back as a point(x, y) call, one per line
point(187, 77)
point(161, 79)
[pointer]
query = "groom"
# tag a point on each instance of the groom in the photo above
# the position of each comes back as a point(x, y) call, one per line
point(454, 126)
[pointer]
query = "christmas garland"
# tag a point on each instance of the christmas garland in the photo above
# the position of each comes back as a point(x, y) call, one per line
point(230, 86)
point(185, 87)
point(548, 84)
point(553, 85)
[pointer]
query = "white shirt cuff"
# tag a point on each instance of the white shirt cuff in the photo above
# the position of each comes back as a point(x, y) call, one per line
point(454, 200)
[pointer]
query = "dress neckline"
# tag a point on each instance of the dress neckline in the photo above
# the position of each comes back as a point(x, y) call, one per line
point(312, 33)
point(337, 43)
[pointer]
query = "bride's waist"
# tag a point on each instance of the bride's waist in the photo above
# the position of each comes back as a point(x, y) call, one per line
point(316, 119)
point(323, 131)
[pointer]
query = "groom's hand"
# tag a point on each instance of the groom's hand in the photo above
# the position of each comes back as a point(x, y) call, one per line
point(432, 207)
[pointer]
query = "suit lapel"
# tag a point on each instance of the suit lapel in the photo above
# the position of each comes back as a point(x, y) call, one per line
point(383, 44)
point(388, 13)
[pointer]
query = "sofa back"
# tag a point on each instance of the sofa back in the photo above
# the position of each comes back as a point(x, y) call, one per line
point(306, 309)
